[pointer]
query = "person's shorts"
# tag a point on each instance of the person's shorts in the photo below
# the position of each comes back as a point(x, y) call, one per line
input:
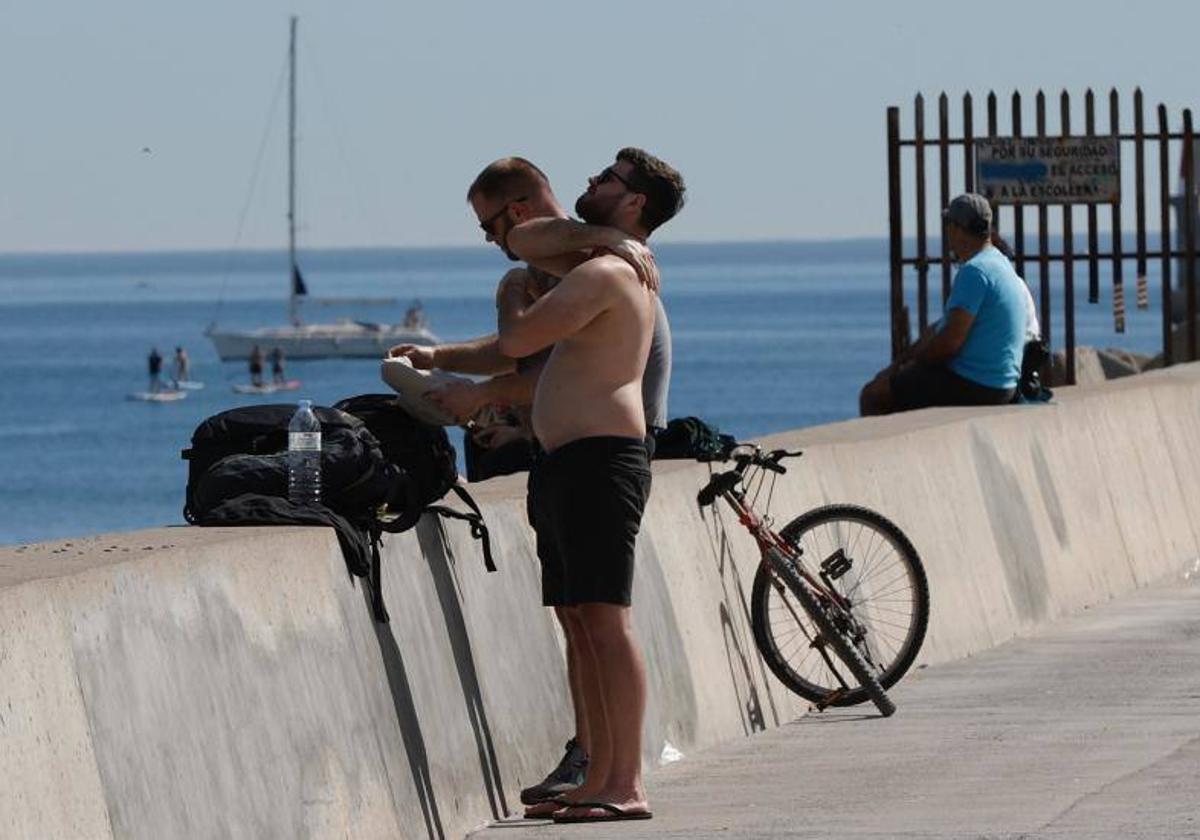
point(920, 385)
point(585, 502)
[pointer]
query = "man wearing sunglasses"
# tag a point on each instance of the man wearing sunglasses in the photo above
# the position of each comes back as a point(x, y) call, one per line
point(509, 192)
point(506, 193)
point(589, 486)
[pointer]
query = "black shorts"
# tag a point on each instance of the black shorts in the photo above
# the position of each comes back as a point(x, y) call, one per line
point(919, 385)
point(585, 502)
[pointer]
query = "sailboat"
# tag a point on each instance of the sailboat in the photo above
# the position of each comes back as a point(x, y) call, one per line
point(298, 340)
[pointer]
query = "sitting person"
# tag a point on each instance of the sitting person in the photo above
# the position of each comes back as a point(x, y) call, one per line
point(973, 355)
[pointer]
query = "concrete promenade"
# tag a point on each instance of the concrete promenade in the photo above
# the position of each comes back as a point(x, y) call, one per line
point(1089, 730)
point(231, 683)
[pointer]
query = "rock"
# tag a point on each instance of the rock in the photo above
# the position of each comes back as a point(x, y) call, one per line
point(1093, 366)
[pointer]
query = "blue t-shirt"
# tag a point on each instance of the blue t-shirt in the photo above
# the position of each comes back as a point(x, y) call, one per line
point(989, 288)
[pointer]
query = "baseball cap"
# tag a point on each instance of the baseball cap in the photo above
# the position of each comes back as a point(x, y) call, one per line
point(971, 212)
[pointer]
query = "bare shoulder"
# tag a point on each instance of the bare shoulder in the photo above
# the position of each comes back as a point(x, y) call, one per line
point(514, 275)
point(605, 269)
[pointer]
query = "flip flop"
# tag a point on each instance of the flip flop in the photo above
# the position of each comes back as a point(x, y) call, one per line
point(561, 803)
point(614, 813)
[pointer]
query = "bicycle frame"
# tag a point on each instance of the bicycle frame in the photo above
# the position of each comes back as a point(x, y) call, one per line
point(768, 541)
point(772, 546)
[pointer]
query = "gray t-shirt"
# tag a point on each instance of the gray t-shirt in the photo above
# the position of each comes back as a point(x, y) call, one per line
point(656, 382)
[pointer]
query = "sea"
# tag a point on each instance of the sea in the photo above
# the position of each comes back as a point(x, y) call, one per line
point(768, 336)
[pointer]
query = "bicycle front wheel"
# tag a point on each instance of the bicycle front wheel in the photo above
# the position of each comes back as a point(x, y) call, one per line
point(874, 567)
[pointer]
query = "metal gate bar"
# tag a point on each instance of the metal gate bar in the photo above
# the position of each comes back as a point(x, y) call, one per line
point(1115, 255)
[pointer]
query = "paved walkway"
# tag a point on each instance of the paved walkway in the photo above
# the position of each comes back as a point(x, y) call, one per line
point(1091, 730)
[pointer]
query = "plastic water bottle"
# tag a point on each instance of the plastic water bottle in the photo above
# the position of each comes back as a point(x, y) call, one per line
point(304, 456)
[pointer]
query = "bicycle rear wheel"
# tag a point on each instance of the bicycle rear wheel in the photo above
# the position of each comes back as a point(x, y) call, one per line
point(874, 567)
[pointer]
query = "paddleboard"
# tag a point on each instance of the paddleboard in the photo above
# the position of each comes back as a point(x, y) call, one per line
point(156, 396)
point(188, 385)
point(268, 387)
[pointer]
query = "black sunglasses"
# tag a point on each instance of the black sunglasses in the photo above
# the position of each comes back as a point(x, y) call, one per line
point(608, 174)
point(486, 224)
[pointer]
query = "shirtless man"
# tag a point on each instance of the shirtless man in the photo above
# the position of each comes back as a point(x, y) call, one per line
point(589, 488)
point(183, 366)
point(507, 192)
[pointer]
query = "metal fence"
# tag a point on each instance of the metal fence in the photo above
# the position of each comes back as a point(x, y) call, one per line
point(1148, 245)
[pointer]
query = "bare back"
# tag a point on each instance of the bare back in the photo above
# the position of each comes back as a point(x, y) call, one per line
point(592, 382)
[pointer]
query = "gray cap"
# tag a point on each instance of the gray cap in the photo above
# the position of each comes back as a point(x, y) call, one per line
point(971, 212)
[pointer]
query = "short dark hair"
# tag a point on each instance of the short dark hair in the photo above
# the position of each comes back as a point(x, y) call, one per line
point(660, 182)
point(507, 179)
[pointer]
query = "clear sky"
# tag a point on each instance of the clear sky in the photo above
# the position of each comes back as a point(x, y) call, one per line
point(774, 111)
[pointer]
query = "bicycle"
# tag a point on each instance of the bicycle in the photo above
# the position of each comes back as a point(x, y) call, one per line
point(871, 610)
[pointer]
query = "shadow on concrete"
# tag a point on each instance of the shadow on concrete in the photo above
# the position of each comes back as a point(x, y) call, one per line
point(671, 713)
point(825, 718)
point(410, 726)
point(752, 715)
point(1013, 530)
point(435, 550)
point(740, 650)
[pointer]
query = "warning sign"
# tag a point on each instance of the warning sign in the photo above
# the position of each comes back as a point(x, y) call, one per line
point(1058, 170)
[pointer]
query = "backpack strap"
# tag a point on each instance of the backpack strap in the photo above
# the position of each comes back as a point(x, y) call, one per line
point(375, 577)
point(479, 529)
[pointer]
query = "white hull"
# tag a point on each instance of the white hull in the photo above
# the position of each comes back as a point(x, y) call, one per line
point(319, 341)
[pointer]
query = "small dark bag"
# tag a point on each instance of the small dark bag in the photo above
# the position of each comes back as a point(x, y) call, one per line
point(691, 437)
point(1033, 359)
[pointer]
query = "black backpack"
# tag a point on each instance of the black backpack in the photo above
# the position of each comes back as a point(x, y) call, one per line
point(237, 475)
point(244, 450)
point(428, 464)
point(424, 453)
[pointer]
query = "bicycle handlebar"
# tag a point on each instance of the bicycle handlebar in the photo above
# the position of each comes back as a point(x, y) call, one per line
point(743, 455)
point(750, 454)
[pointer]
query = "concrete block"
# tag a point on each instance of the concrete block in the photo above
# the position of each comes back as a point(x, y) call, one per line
point(231, 682)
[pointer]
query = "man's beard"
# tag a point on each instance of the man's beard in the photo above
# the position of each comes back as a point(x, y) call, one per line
point(502, 243)
point(594, 210)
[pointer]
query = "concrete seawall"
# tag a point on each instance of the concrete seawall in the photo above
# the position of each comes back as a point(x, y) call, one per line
point(213, 683)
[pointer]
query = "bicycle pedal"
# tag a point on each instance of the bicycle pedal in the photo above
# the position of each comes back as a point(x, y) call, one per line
point(836, 565)
point(828, 700)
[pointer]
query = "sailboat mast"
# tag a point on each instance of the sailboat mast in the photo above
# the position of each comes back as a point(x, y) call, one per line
point(293, 309)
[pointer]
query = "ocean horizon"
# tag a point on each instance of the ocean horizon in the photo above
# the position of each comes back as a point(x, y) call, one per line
point(768, 336)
